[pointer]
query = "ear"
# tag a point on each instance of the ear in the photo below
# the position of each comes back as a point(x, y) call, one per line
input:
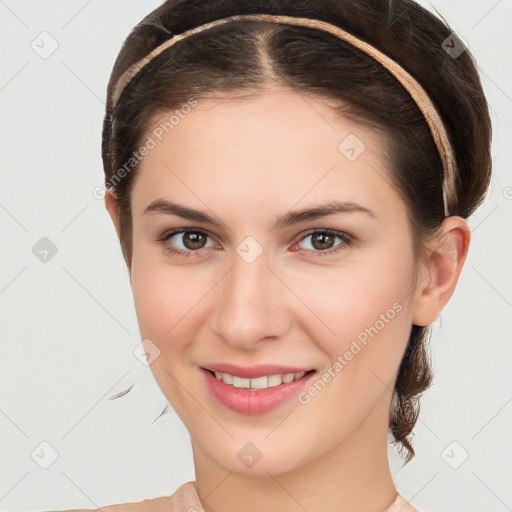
point(112, 205)
point(446, 254)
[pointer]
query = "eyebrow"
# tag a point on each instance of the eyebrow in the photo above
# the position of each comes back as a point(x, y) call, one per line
point(288, 219)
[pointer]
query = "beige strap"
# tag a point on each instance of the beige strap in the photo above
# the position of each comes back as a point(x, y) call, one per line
point(418, 94)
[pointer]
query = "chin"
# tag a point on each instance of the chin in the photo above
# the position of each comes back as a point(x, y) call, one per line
point(255, 458)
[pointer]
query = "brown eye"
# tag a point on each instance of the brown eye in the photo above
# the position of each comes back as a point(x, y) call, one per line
point(185, 242)
point(323, 242)
point(193, 240)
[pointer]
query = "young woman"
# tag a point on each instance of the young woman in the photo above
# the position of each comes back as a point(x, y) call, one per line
point(289, 181)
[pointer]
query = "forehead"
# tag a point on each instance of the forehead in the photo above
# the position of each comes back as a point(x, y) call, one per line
point(261, 146)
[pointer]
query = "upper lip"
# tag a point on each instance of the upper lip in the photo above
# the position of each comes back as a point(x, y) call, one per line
point(252, 372)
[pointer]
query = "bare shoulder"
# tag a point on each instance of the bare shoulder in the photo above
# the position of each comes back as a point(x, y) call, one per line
point(162, 504)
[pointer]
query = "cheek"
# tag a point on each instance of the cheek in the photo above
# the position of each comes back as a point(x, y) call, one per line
point(362, 313)
point(160, 293)
point(361, 294)
point(165, 299)
point(171, 301)
point(370, 313)
point(167, 303)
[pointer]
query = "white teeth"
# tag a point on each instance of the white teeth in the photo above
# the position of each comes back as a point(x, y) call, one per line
point(274, 380)
point(238, 382)
point(288, 378)
point(267, 381)
point(259, 383)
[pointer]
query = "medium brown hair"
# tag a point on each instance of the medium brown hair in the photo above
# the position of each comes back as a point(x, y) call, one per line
point(244, 57)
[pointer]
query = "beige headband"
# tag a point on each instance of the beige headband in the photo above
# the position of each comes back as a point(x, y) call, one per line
point(418, 94)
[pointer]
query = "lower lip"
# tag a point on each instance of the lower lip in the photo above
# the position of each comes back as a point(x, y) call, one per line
point(254, 401)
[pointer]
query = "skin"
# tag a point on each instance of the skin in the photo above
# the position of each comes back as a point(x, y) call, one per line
point(246, 162)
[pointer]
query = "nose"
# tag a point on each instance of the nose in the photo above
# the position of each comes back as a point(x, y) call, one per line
point(252, 304)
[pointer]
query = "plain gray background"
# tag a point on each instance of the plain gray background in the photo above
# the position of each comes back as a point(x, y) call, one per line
point(68, 326)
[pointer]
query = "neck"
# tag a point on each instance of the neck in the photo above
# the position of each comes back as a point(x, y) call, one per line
point(353, 475)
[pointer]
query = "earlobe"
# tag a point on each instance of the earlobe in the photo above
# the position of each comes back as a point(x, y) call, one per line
point(112, 206)
point(446, 255)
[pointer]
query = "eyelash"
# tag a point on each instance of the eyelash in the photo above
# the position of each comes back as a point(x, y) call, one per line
point(345, 238)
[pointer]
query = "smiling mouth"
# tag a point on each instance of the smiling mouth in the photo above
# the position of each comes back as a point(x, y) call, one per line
point(263, 382)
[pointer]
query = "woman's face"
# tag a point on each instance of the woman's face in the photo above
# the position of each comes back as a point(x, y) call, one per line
point(266, 284)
